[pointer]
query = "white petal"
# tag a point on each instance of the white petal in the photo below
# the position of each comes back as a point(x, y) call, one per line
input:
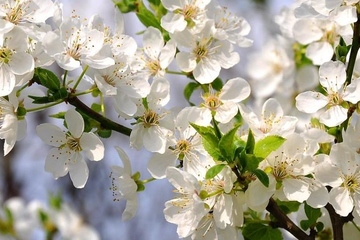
point(51, 134)
point(130, 209)
point(334, 116)
point(75, 123)
point(185, 61)
point(167, 54)
point(153, 42)
point(92, 146)
point(78, 171)
point(327, 174)
point(57, 162)
point(21, 63)
point(341, 200)
point(296, 190)
point(319, 52)
point(7, 80)
point(173, 22)
point(154, 139)
point(206, 71)
point(332, 75)
point(236, 89)
point(310, 102)
point(125, 160)
point(158, 163)
point(352, 91)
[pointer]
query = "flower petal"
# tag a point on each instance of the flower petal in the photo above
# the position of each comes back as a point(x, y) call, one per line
point(92, 146)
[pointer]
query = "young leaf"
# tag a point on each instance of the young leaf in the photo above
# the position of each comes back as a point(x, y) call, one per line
point(46, 78)
point(214, 170)
point(312, 213)
point(146, 17)
point(188, 91)
point(262, 176)
point(209, 140)
point(250, 143)
point(126, 6)
point(268, 144)
point(258, 231)
point(217, 84)
point(251, 161)
point(226, 144)
point(96, 107)
point(288, 206)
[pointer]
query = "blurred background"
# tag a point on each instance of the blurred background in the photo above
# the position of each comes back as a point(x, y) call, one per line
point(22, 171)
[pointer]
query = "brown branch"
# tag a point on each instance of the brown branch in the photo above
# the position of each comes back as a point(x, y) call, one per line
point(285, 222)
point(105, 122)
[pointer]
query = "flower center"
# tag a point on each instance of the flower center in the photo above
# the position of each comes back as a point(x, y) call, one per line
point(334, 99)
point(189, 12)
point(352, 183)
point(109, 80)
point(73, 143)
point(5, 55)
point(212, 101)
point(153, 66)
point(201, 50)
point(16, 13)
point(150, 118)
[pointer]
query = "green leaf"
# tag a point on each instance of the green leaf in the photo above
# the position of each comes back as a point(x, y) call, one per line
point(214, 170)
point(210, 140)
point(189, 90)
point(305, 224)
point(46, 78)
point(288, 206)
point(249, 161)
point(217, 84)
point(60, 115)
point(258, 231)
point(312, 213)
point(250, 143)
point(268, 144)
point(262, 176)
point(96, 107)
point(226, 144)
point(320, 226)
point(146, 17)
point(104, 133)
point(126, 6)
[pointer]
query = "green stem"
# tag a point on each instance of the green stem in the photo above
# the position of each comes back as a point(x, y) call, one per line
point(105, 122)
point(65, 76)
point(357, 228)
point(44, 106)
point(176, 73)
point(84, 92)
point(80, 77)
point(148, 180)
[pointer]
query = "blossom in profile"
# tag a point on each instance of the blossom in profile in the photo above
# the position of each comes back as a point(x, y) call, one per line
point(65, 156)
point(124, 186)
point(12, 128)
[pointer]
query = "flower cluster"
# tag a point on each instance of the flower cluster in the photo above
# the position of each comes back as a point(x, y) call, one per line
point(228, 164)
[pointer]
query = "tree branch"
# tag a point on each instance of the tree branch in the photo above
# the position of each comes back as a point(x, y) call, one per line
point(105, 122)
point(285, 222)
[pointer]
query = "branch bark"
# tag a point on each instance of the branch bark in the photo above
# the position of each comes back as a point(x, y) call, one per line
point(285, 222)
